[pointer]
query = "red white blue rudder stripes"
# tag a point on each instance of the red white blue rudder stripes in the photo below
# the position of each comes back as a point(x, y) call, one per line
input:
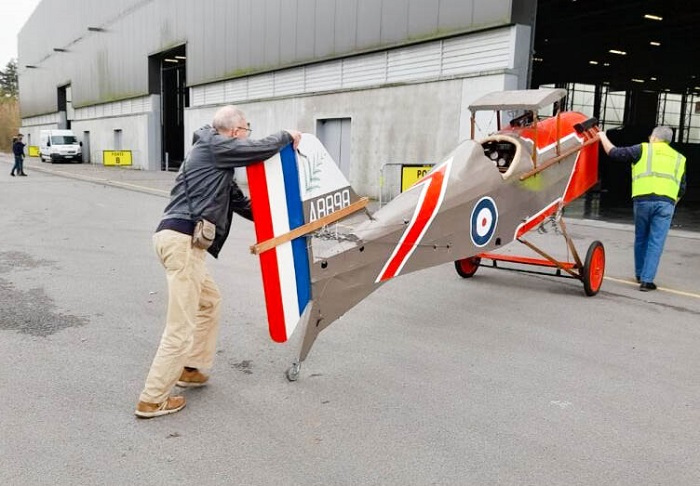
point(277, 209)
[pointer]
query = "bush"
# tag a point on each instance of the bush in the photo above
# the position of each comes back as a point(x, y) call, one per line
point(9, 122)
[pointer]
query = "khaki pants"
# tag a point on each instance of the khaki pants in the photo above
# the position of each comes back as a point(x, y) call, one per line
point(192, 322)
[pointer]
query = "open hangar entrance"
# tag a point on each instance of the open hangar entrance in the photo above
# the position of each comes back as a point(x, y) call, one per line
point(167, 79)
point(631, 64)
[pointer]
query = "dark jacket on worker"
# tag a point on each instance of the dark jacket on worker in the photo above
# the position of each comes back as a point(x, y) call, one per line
point(18, 148)
point(205, 186)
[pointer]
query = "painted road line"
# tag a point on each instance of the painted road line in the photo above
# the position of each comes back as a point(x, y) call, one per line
point(107, 182)
point(694, 295)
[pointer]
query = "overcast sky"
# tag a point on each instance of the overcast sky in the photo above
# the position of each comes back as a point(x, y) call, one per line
point(13, 15)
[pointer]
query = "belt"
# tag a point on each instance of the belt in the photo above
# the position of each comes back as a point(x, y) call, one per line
point(184, 226)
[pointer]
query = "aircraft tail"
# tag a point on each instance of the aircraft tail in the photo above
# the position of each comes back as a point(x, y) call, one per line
point(277, 209)
point(287, 191)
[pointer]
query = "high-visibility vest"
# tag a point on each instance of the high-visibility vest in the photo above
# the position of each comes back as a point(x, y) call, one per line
point(658, 171)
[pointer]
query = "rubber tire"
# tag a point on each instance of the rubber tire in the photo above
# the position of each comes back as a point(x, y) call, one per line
point(594, 268)
point(467, 267)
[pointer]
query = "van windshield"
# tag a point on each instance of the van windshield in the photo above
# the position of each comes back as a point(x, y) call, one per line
point(64, 140)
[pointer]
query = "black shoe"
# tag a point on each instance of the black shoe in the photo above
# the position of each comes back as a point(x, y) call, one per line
point(647, 286)
point(12, 174)
point(23, 174)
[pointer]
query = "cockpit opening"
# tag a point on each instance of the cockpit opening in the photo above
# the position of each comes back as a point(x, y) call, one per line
point(500, 152)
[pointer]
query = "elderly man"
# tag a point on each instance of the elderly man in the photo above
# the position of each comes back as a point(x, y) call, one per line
point(205, 195)
point(658, 182)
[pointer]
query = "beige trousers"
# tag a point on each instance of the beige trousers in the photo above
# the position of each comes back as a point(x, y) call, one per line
point(192, 321)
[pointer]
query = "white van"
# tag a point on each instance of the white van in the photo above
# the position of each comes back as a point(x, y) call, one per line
point(60, 145)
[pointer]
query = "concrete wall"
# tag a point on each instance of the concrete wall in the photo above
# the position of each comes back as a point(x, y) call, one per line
point(406, 104)
point(138, 120)
point(405, 124)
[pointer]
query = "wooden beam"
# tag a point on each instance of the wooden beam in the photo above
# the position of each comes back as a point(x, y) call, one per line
point(309, 227)
point(557, 159)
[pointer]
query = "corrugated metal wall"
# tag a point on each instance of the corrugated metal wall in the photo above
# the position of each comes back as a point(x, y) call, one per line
point(481, 52)
point(225, 39)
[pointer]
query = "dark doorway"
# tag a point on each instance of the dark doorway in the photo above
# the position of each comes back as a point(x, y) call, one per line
point(63, 102)
point(86, 147)
point(168, 78)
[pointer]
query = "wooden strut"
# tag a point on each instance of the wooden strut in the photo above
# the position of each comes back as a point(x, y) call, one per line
point(309, 227)
point(557, 263)
point(557, 159)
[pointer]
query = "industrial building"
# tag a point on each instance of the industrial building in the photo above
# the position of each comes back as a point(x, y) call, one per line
point(378, 81)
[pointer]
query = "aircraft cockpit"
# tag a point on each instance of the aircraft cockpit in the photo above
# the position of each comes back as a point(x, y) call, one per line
point(521, 109)
point(500, 152)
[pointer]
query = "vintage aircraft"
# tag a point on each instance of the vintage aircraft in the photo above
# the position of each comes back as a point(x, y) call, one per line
point(322, 252)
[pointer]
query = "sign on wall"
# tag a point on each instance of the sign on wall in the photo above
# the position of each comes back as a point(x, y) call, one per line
point(116, 157)
point(410, 174)
point(33, 151)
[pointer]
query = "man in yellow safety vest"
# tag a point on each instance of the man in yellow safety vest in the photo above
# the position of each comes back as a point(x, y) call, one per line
point(658, 182)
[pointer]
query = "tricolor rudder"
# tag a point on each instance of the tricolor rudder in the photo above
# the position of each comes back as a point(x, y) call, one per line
point(277, 209)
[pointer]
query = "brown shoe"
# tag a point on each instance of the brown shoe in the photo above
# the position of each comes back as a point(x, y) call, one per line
point(192, 379)
point(150, 410)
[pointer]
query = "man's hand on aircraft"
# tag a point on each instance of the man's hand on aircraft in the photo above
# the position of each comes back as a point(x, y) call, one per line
point(296, 137)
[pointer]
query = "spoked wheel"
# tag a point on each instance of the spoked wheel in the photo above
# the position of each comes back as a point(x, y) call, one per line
point(594, 268)
point(467, 267)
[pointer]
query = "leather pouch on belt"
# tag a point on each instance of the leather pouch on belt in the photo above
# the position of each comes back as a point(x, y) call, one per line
point(204, 234)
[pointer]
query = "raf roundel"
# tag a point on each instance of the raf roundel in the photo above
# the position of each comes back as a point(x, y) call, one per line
point(483, 221)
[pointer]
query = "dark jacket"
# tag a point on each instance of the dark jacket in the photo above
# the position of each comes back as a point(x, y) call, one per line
point(209, 172)
point(18, 148)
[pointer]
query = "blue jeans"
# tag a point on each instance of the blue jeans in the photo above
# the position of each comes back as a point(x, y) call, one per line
point(18, 167)
point(652, 220)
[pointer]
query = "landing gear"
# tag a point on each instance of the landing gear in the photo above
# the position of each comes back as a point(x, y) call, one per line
point(590, 272)
point(467, 267)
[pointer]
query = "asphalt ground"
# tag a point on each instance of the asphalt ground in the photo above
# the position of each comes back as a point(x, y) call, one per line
point(504, 378)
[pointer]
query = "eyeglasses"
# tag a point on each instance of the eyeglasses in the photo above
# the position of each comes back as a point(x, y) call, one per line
point(247, 129)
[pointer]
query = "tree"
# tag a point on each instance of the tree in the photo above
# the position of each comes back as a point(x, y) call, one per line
point(9, 85)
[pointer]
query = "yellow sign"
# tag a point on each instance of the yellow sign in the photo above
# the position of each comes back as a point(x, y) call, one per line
point(116, 157)
point(410, 174)
point(33, 151)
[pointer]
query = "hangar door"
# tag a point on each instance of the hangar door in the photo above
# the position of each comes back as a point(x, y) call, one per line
point(334, 134)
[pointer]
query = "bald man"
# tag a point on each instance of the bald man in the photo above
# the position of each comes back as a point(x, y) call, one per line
point(204, 189)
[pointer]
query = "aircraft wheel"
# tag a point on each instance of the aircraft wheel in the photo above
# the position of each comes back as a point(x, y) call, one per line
point(594, 268)
point(467, 267)
point(293, 372)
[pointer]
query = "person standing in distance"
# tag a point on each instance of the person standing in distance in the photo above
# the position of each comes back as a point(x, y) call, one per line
point(18, 151)
point(204, 189)
point(658, 183)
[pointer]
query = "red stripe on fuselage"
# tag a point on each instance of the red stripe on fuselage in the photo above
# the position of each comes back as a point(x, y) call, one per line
point(428, 207)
